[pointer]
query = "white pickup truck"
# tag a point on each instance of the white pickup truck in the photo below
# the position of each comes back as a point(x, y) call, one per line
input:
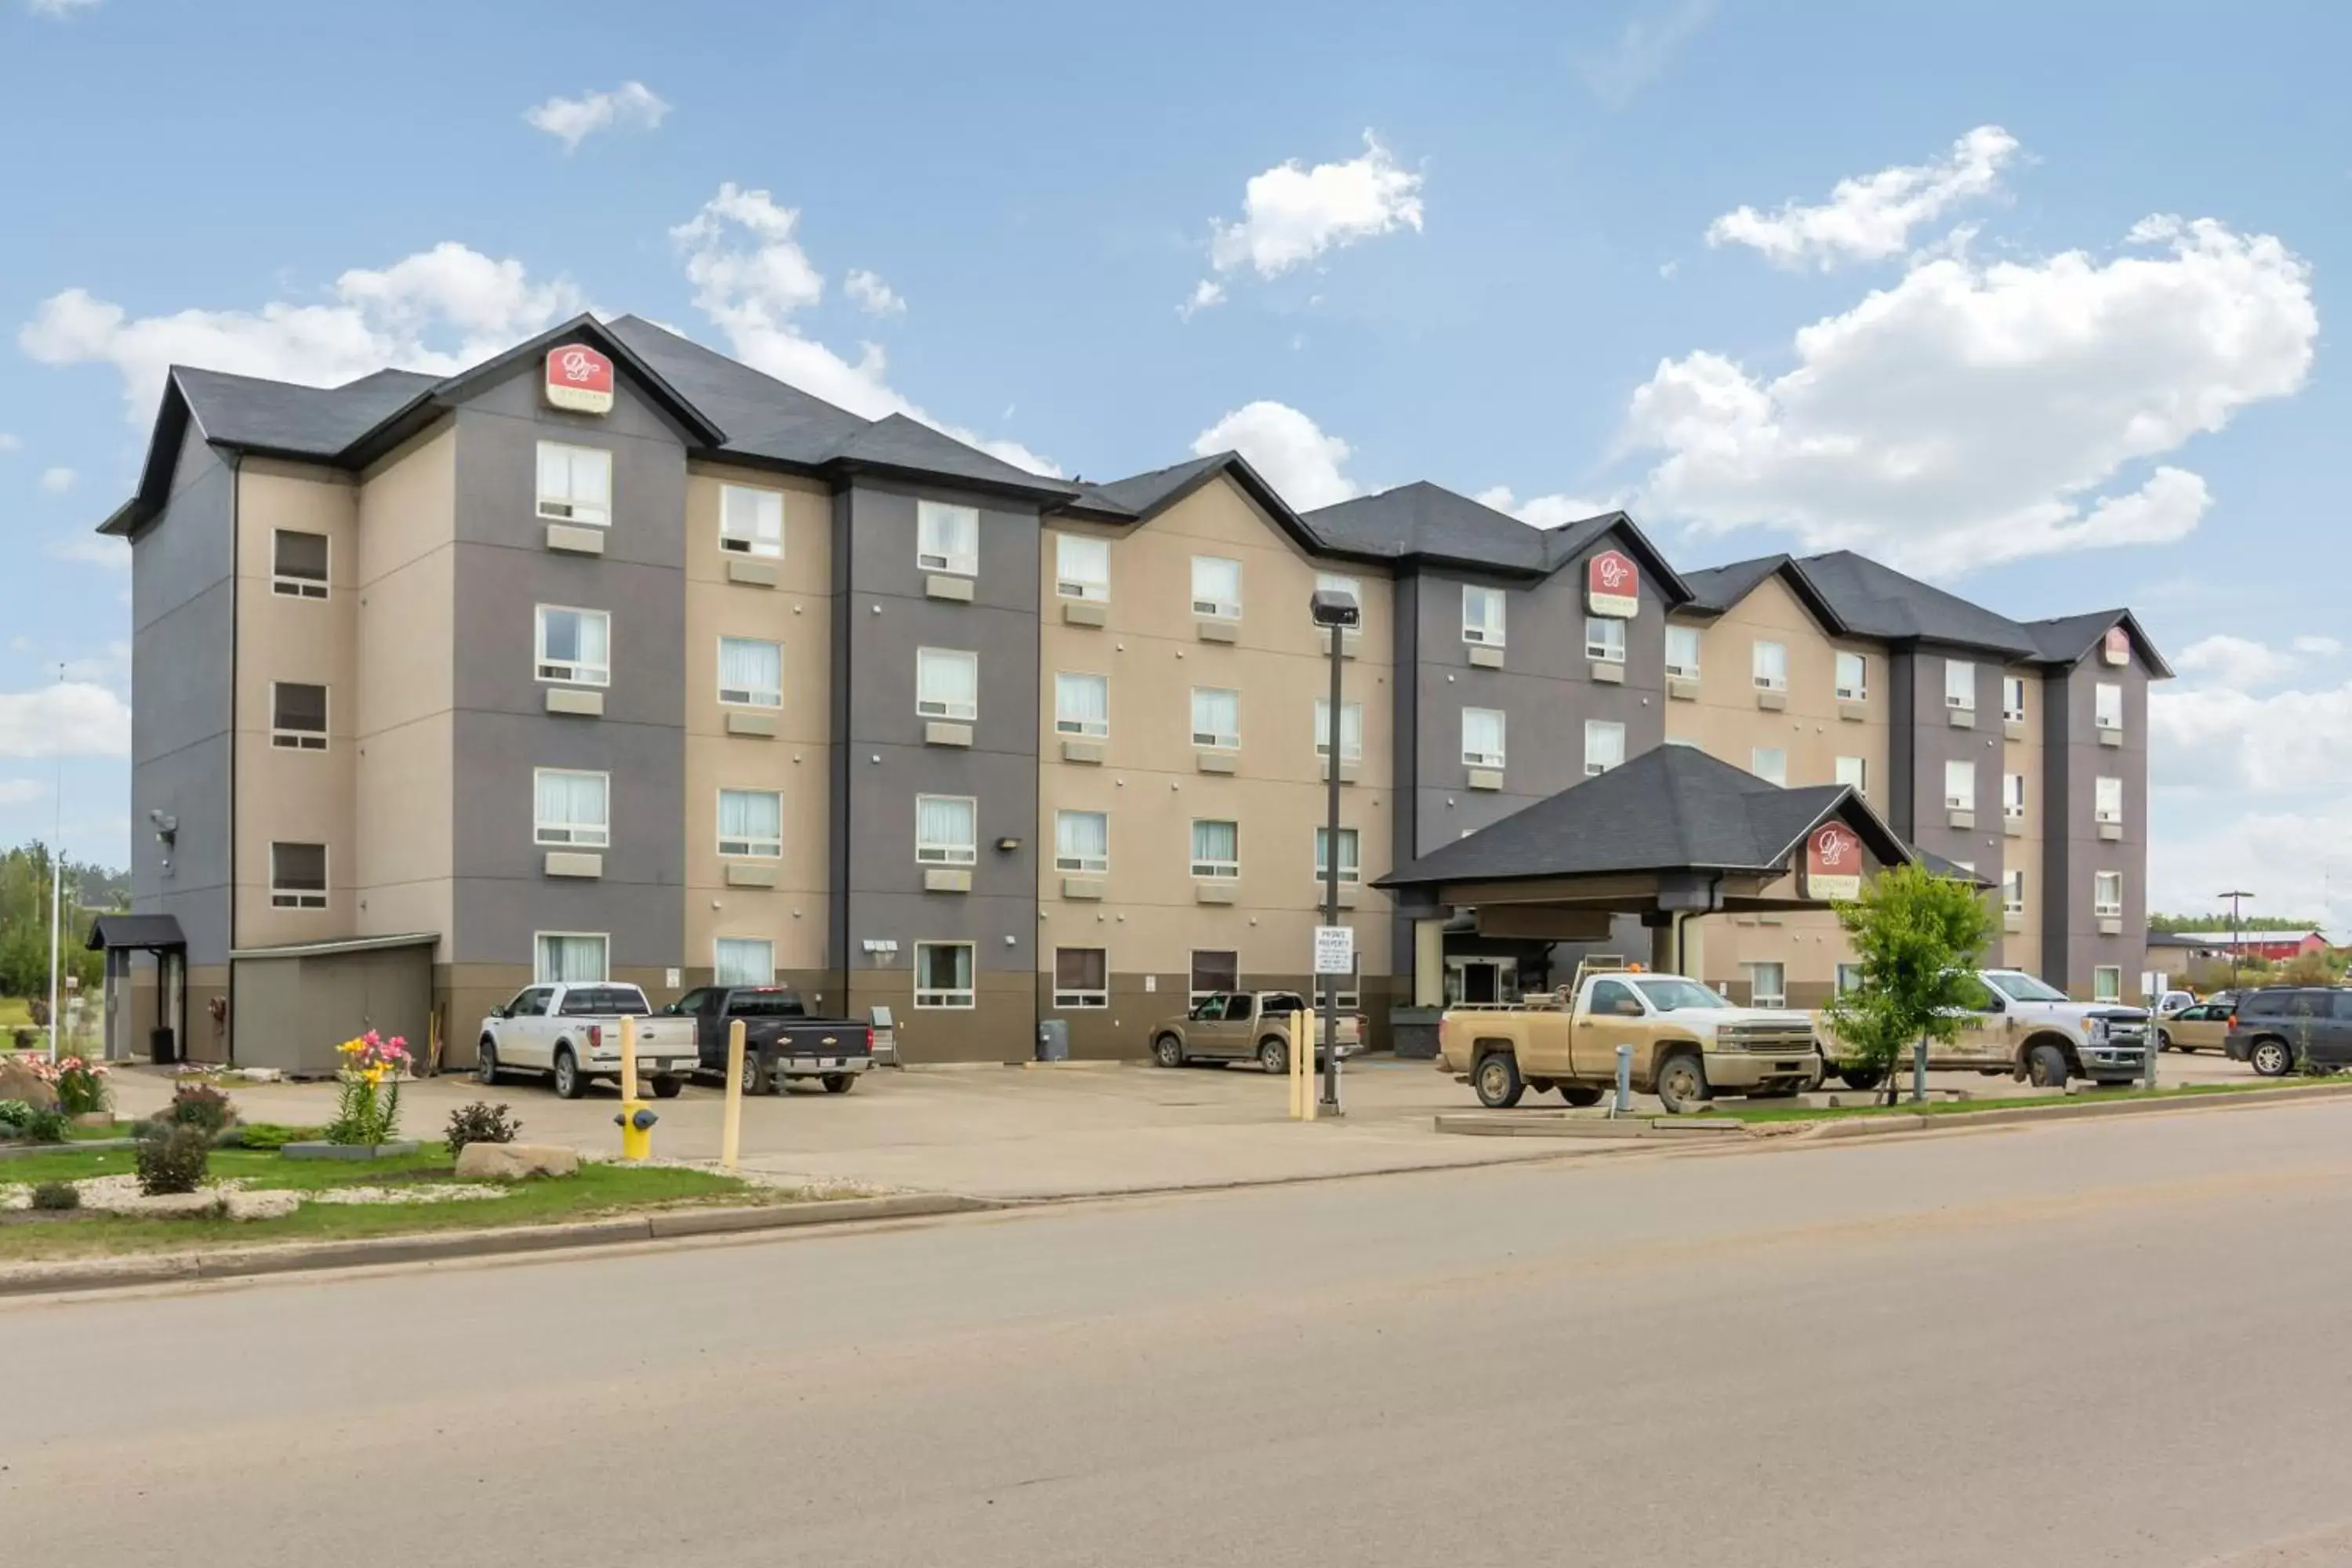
point(2031, 1030)
point(572, 1035)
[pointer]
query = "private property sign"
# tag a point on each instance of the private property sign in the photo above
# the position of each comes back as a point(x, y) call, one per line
point(1832, 862)
point(579, 379)
point(1612, 586)
point(1334, 949)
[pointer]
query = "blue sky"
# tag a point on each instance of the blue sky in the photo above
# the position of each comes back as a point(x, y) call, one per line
point(1557, 255)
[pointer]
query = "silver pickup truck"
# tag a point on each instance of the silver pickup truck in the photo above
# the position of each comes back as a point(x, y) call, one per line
point(571, 1033)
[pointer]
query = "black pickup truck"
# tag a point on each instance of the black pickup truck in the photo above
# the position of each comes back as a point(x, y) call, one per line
point(780, 1041)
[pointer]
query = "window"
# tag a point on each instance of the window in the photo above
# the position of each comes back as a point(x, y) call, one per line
point(1081, 705)
point(1216, 586)
point(575, 483)
point(1770, 764)
point(2012, 891)
point(947, 683)
point(1682, 651)
point(1769, 664)
point(1849, 978)
point(298, 564)
point(943, 975)
point(1482, 737)
point(2012, 699)
point(574, 808)
point(1350, 994)
point(1081, 567)
point(297, 875)
point(530, 1002)
point(1216, 848)
point(2108, 983)
point(1082, 842)
point(1614, 998)
point(1604, 639)
point(1216, 718)
point(2107, 894)
point(1960, 685)
point(1081, 977)
point(1348, 866)
point(1960, 785)
point(1855, 774)
point(1604, 742)
point(947, 538)
point(568, 958)
point(1215, 971)
point(1351, 729)
point(752, 822)
point(944, 832)
point(1481, 616)
point(751, 673)
point(2108, 705)
point(2012, 796)
point(750, 521)
point(1853, 677)
point(744, 960)
point(1766, 985)
point(298, 716)
point(1352, 587)
point(575, 646)
point(2107, 800)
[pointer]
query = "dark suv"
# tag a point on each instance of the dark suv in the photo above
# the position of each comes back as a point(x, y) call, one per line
point(2275, 1028)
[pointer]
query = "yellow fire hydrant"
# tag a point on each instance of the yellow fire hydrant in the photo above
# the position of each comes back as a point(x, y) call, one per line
point(636, 1117)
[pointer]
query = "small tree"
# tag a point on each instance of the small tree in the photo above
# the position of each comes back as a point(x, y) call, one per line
point(1918, 937)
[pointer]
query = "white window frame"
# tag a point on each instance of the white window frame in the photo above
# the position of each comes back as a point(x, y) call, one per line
point(1216, 739)
point(947, 999)
point(573, 671)
point(1494, 759)
point(930, 707)
point(1214, 870)
point(573, 508)
point(948, 854)
point(1960, 685)
point(603, 940)
point(718, 969)
point(1210, 601)
point(748, 848)
point(1094, 729)
point(1839, 983)
point(1071, 584)
point(1604, 639)
point(293, 898)
point(2012, 699)
point(1082, 865)
point(294, 585)
point(747, 696)
point(958, 557)
point(2103, 787)
point(1599, 728)
point(761, 541)
point(1756, 755)
point(1352, 717)
point(1958, 800)
point(1351, 861)
point(293, 740)
point(1685, 671)
point(2108, 983)
point(1081, 997)
point(1761, 667)
point(2102, 907)
point(1860, 781)
point(1858, 689)
point(2107, 701)
point(1352, 996)
point(571, 834)
point(2012, 796)
point(1490, 627)
point(1757, 996)
point(2012, 891)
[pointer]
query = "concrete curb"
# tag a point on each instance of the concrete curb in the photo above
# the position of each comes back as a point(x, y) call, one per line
point(2225, 1100)
point(1562, 1124)
point(287, 1257)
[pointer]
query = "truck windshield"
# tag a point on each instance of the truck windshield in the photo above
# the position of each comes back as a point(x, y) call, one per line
point(593, 1001)
point(1667, 995)
point(2019, 987)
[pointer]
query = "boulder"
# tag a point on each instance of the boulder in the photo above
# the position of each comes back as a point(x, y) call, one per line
point(19, 1081)
point(513, 1161)
point(269, 1204)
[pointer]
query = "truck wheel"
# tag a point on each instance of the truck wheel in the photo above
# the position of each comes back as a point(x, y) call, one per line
point(1168, 1051)
point(1682, 1083)
point(570, 1084)
point(1274, 1055)
point(754, 1080)
point(486, 1063)
point(839, 1082)
point(2046, 1067)
point(667, 1088)
point(1580, 1094)
point(1862, 1080)
point(1497, 1081)
point(2271, 1059)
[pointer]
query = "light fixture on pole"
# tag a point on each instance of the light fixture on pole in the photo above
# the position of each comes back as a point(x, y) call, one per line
point(1336, 610)
point(2236, 944)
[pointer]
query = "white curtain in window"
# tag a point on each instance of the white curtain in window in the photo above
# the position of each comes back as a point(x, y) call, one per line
point(2107, 706)
point(949, 678)
point(579, 475)
point(1216, 714)
point(1959, 683)
point(1770, 764)
point(1082, 835)
point(571, 960)
point(1482, 732)
point(1851, 674)
point(1083, 562)
point(950, 536)
point(1216, 841)
point(1604, 743)
point(1682, 650)
point(1216, 581)
point(754, 816)
point(1351, 729)
point(574, 800)
point(943, 821)
point(944, 966)
point(744, 960)
point(750, 671)
point(1960, 785)
point(2107, 800)
point(1482, 613)
point(1772, 664)
point(1082, 704)
point(756, 517)
point(1347, 863)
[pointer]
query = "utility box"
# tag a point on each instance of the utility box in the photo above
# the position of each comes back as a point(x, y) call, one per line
point(1053, 1040)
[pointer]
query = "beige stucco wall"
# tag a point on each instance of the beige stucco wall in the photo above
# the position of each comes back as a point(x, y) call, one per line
point(302, 797)
point(797, 613)
point(2022, 948)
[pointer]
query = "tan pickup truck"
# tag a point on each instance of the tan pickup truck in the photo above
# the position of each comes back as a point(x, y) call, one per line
point(1689, 1043)
point(1244, 1025)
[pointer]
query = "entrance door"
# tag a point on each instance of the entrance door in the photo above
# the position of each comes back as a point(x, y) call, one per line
point(1472, 981)
point(171, 996)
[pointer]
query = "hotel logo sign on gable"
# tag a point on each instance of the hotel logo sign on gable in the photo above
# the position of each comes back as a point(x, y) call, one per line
point(1612, 586)
point(579, 380)
point(1832, 862)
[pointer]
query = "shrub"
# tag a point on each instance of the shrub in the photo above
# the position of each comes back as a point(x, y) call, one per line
point(481, 1123)
point(199, 1105)
point(176, 1159)
point(45, 1126)
point(81, 1087)
point(273, 1135)
point(15, 1113)
point(56, 1196)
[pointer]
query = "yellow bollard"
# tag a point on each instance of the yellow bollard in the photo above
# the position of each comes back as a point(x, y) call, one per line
point(1302, 1053)
point(1297, 1100)
point(730, 1140)
point(636, 1117)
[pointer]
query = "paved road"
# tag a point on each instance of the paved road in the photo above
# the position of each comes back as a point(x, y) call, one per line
point(2111, 1343)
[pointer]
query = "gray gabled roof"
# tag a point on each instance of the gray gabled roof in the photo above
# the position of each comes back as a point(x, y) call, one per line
point(2068, 639)
point(1428, 524)
point(1876, 601)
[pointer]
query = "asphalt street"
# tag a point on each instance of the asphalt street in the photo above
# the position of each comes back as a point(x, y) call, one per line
point(2093, 1343)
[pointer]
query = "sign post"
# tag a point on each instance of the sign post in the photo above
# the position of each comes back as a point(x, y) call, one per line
point(1335, 955)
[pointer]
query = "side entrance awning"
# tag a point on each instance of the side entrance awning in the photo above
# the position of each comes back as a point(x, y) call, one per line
point(151, 933)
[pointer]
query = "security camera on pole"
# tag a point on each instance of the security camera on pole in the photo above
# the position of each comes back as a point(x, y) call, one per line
point(1335, 944)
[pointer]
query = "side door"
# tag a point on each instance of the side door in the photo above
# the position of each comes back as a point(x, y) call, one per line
point(1237, 1031)
point(1987, 1035)
point(1275, 1012)
point(1611, 1015)
point(522, 1038)
point(2331, 1045)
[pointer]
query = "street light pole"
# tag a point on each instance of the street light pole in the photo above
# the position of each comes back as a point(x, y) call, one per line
point(1336, 611)
point(57, 892)
point(2237, 944)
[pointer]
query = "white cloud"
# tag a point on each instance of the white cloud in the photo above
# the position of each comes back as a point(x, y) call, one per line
point(2317, 646)
point(1545, 511)
point(750, 276)
point(1870, 217)
point(632, 104)
point(2234, 660)
point(1205, 294)
point(57, 482)
point(1974, 414)
point(92, 550)
point(2286, 857)
point(22, 792)
point(69, 719)
point(438, 311)
point(872, 295)
point(58, 8)
point(1288, 449)
point(1645, 47)
point(1292, 214)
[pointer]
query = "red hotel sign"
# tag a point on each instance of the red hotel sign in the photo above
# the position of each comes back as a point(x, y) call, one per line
point(579, 379)
point(1612, 586)
point(2118, 645)
point(1832, 862)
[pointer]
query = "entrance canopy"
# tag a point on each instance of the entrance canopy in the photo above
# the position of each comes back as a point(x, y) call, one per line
point(152, 933)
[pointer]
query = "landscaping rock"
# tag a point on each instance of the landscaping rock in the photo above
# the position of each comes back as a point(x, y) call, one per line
point(202, 1203)
point(323, 1151)
point(19, 1081)
point(513, 1161)
point(267, 1205)
point(95, 1119)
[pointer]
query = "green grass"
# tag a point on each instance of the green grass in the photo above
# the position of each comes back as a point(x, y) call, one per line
point(598, 1190)
point(1769, 1112)
point(16, 1013)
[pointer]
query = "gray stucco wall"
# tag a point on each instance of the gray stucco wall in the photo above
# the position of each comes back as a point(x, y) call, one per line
point(183, 641)
point(1932, 740)
point(2073, 852)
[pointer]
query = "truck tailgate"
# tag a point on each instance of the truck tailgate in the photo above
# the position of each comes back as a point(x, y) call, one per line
point(658, 1037)
point(822, 1038)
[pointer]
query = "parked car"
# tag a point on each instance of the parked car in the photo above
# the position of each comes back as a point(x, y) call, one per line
point(1238, 1025)
point(1689, 1043)
point(780, 1041)
point(2031, 1030)
point(572, 1033)
point(2172, 1002)
point(2279, 1025)
point(2200, 1027)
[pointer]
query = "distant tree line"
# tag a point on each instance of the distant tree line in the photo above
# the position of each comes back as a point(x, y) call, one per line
point(90, 891)
point(2220, 921)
